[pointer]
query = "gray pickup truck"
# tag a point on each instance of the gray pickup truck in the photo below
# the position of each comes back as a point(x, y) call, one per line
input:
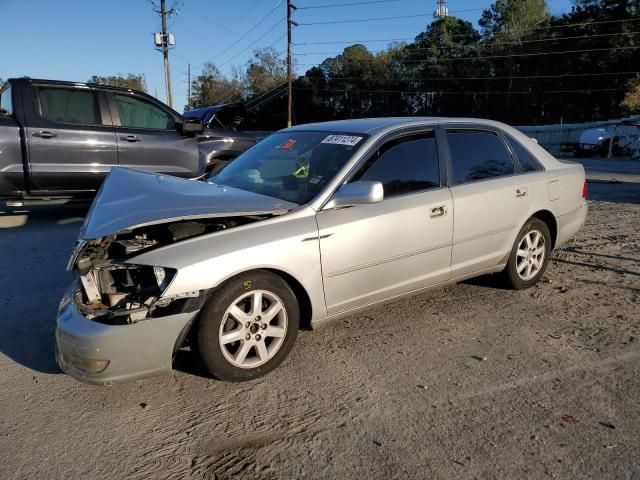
point(58, 140)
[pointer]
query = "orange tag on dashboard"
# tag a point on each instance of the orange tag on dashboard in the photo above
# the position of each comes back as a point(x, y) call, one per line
point(289, 144)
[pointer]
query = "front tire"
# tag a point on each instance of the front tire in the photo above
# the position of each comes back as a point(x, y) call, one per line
point(248, 327)
point(529, 256)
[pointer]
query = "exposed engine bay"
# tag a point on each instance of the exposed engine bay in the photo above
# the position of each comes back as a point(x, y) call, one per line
point(117, 292)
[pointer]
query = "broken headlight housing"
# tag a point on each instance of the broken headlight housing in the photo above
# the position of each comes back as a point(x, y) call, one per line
point(122, 293)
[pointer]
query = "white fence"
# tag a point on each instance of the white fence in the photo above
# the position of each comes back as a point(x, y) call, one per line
point(553, 137)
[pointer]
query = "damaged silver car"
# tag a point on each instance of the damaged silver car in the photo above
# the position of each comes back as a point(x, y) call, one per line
point(313, 223)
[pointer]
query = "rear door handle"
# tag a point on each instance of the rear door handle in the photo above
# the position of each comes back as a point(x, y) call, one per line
point(130, 138)
point(521, 191)
point(440, 211)
point(44, 134)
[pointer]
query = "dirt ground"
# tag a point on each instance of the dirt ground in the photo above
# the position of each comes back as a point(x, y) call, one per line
point(472, 381)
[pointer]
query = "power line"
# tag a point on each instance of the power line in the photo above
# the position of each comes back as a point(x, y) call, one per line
point(332, 5)
point(252, 43)
point(504, 77)
point(230, 92)
point(400, 17)
point(357, 41)
point(482, 45)
point(255, 99)
point(487, 92)
point(273, 96)
point(242, 37)
point(358, 20)
point(479, 57)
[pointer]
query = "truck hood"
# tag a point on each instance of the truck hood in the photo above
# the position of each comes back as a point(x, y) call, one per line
point(130, 199)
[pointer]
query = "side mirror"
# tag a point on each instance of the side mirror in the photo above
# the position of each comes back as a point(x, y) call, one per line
point(191, 125)
point(356, 193)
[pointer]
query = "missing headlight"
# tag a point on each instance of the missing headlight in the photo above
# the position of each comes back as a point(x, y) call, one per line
point(122, 293)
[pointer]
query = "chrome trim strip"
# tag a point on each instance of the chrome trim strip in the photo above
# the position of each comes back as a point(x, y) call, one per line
point(308, 239)
point(484, 234)
point(386, 260)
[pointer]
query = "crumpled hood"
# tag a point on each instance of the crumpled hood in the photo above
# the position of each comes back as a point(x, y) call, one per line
point(130, 198)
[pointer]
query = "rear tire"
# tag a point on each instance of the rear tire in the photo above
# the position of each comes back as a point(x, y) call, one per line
point(248, 327)
point(529, 256)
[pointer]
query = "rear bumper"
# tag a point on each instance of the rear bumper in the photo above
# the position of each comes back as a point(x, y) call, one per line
point(570, 223)
point(132, 351)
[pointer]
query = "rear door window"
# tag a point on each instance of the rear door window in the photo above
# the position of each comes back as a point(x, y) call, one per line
point(404, 165)
point(525, 159)
point(478, 155)
point(66, 105)
point(139, 113)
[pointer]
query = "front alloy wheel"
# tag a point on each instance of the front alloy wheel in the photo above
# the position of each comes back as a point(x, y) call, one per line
point(253, 329)
point(247, 327)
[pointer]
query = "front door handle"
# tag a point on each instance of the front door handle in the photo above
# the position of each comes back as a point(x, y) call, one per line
point(44, 134)
point(521, 191)
point(130, 138)
point(440, 211)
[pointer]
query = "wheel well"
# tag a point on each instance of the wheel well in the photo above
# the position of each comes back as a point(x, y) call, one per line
point(215, 164)
point(547, 217)
point(301, 295)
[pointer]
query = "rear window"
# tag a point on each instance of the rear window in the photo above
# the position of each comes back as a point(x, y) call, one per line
point(478, 155)
point(65, 105)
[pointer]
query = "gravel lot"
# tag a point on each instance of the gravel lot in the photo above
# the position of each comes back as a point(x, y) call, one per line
point(472, 381)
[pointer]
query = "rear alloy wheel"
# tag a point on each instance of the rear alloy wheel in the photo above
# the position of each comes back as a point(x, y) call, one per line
point(248, 327)
point(530, 255)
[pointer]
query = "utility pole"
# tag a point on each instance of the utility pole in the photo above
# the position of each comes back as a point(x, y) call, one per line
point(290, 23)
point(165, 53)
point(188, 83)
point(163, 40)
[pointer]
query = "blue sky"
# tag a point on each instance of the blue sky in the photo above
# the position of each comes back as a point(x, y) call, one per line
point(75, 39)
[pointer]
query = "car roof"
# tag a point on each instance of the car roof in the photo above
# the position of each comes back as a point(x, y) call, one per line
point(372, 126)
point(72, 84)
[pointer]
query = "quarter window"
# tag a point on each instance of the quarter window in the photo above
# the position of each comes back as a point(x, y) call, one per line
point(478, 155)
point(404, 165)
point(6, 102)
point(526, 160)
point(137, 113)
point(65, 105)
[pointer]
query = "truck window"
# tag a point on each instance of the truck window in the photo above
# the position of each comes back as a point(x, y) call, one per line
point(138, 113)
point(66, 105)
point(6, 103)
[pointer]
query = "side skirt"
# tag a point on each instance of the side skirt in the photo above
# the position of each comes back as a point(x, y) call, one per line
point(321, 322)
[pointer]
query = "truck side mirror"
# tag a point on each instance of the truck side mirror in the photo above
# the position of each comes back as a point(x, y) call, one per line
point(191, 126)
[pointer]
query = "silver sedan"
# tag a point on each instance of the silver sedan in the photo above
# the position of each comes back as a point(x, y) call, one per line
point(313, 223)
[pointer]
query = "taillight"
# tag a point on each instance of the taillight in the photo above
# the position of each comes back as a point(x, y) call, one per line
point(584, 190)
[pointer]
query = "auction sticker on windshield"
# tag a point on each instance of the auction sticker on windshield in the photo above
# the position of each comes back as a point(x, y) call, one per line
point(342, 140)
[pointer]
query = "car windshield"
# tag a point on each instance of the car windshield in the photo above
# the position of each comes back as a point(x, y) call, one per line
point(292, 166)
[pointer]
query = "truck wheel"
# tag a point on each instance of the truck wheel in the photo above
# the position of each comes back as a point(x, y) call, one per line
point(248, 327)
point(529, 256)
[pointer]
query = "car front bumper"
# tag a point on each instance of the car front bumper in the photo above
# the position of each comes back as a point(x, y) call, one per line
point(130, 352)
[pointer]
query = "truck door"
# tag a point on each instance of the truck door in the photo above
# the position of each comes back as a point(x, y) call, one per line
point(148, 137)
point(70, 139)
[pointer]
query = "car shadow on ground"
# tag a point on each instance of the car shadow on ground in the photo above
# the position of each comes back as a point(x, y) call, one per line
point(185, 361)
point(494, 280)
point(35, 244)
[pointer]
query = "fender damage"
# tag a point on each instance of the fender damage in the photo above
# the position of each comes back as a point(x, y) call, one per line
point(136, 212)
